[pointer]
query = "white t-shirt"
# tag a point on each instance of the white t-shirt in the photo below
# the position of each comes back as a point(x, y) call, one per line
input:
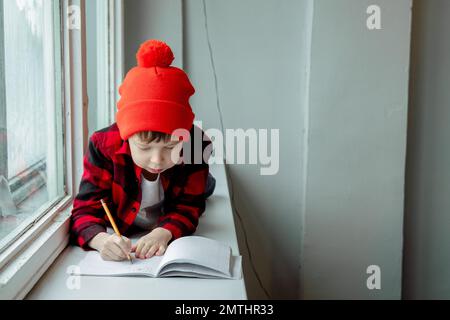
point(151, 204)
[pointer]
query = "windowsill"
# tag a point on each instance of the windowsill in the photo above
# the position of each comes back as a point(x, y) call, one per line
point(44, 242)
point(216, 223)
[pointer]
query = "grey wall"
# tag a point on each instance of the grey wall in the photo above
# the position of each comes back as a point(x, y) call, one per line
point(148, 19)
point(258, 48)
point(356, 150)
point(427, 254)
point(338, 94)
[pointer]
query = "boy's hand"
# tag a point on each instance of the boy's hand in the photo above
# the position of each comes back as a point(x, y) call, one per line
point(111, 246)
point(154, 243)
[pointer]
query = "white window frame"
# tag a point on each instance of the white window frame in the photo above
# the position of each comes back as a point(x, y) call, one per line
point(19, 185)
point(26, 260)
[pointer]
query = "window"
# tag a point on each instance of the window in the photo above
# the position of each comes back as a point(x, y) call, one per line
point(31, 135)
point(44, 122)
point(104, 68)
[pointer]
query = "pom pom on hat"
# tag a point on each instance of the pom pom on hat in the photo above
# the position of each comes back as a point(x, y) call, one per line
point(154, 53)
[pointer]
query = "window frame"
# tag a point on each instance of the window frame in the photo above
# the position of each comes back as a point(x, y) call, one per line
point(23, 260)
point(26, 260)
point(3, 146)
point(109, 60)
point(19, 184)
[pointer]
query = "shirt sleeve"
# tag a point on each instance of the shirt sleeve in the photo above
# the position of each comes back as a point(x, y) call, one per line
point(183, 211)
point(87, 216)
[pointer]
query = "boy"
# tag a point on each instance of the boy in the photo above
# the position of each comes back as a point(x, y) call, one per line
point(136, 165)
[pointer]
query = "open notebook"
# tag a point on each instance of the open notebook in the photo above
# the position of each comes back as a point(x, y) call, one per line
point(190, 256)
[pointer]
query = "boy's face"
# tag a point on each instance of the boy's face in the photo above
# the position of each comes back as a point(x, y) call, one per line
point(154, 155)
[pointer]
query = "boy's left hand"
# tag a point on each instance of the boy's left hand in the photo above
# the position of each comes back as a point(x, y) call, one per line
point(154, 243)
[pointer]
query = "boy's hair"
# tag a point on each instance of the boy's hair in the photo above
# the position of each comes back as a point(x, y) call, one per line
point(149, 136)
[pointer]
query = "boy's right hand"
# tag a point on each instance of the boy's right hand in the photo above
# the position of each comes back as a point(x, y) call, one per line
point(111, 246)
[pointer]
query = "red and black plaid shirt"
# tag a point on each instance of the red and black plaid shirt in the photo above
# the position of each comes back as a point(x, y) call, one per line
point(110, 173)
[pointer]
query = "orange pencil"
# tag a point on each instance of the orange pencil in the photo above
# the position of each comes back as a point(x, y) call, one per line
point(113, 223)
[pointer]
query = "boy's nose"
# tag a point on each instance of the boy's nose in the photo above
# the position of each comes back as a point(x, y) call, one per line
point(156, 162)
point(156, 156)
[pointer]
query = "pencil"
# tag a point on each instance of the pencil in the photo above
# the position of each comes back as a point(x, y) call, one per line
point(113, 223)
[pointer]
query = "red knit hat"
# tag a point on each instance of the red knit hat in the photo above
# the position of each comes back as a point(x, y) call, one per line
point(154, 96)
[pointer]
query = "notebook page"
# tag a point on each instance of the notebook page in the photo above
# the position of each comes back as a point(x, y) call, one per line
point(189, 270)
point(93, 264)
point(236, 267)
point(199, 250)
point(190, 275)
